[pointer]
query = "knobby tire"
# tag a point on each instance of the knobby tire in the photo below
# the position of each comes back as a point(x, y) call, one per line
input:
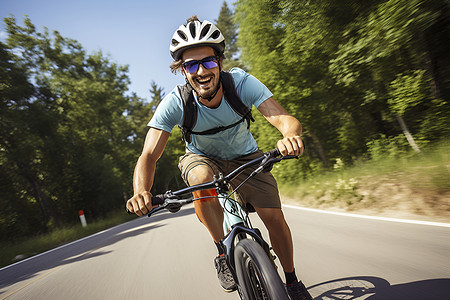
point(257, 278)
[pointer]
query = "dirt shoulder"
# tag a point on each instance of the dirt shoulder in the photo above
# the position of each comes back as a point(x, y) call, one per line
point(382, 197)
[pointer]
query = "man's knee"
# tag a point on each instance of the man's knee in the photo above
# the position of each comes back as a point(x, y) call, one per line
point(200, 174)
point(271, 216)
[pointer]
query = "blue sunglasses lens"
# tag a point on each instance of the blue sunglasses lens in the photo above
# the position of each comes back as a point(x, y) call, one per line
point(191, 67)
point(208, 63)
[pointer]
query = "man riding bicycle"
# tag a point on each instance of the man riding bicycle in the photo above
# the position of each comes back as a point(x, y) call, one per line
point(197, 49)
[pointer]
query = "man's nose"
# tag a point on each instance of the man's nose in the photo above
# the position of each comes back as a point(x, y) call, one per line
point(201, 69)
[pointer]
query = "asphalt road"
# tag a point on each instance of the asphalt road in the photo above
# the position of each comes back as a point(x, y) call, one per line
point(170, 256)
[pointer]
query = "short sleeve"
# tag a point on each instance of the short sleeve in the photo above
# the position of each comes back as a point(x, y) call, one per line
point(249, 88)
point(169, 112)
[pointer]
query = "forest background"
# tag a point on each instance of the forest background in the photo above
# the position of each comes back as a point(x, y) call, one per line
point(369, 80)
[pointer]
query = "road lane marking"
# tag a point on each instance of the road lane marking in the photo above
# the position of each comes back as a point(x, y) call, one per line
point(369, 217)
point(30, 282)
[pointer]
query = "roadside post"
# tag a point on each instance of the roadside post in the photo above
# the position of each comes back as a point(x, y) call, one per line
point(82, 218)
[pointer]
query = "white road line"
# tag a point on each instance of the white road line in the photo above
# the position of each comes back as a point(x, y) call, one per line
point(370, 217)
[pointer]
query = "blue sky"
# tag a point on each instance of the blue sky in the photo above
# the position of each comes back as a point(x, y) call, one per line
point(132, 32)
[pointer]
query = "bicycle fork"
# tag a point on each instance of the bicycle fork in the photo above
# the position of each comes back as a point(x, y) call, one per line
point(236, 229)
point(231, 212)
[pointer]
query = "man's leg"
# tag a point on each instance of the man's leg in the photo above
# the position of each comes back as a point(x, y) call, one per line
point(280, 235)
point(208, 210)
point(281, 240)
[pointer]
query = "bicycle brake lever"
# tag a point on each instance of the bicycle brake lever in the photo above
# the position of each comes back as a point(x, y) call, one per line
point(289, 157)
point(155, 210)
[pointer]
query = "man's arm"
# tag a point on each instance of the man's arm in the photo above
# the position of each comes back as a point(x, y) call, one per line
point(144, 172)
point(290, 127)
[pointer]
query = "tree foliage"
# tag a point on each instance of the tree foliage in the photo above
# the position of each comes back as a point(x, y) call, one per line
point(229, 30)
point(66, 140)
point(350, 70)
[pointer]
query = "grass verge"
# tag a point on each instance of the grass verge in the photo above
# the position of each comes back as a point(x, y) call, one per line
point(415, 185)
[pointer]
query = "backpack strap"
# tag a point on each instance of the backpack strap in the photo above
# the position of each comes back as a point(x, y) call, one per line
point(190, 108)
point(233, 98)
point(189, 111)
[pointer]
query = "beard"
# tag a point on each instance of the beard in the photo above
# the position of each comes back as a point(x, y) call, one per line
point(205, 86)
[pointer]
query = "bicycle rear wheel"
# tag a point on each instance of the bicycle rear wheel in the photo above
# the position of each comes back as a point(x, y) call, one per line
point(257, 278)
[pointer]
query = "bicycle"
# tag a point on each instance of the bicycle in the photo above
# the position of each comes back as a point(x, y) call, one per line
point(247, 254)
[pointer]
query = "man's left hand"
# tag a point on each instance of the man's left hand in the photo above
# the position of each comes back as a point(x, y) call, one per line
point(291, 145)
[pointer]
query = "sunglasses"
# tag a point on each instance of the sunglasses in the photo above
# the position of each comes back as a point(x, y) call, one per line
point(208, 63)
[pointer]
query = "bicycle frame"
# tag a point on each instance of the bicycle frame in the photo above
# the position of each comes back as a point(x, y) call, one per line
point(233, 213)
point(237, 225)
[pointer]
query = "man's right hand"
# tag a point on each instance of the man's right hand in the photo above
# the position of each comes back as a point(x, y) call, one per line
point(140, 204)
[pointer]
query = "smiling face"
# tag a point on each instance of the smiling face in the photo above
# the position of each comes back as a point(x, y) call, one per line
point(204, 81)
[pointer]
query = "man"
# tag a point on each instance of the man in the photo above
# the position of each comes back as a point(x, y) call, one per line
point(197, 48)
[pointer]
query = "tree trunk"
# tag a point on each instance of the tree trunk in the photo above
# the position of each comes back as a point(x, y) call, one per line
point(42, 198)
point(408, 135)
point(318, 145)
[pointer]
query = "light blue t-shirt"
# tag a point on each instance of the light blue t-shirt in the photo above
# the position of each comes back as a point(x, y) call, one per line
point(228, 144)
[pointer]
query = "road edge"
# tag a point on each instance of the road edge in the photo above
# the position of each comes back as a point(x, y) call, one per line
point(417, 222)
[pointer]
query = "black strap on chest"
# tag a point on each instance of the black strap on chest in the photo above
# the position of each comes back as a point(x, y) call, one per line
point(190, 108)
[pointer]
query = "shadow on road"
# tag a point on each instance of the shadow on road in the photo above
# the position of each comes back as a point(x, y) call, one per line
point(165, 214)
point(375, 288)
point(87, 248)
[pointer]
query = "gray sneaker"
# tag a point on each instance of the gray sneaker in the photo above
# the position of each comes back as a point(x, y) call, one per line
point(224, 274)
point(297, 291)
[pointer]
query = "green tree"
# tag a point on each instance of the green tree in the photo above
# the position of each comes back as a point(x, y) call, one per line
point(229, 30)
point(388, 56)
point(347, 70)
point(17, 153)
point(281, 51)
point(157, 94)
point(68, 133)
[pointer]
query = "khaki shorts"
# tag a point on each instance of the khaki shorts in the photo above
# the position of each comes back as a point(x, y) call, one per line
point(259, 191)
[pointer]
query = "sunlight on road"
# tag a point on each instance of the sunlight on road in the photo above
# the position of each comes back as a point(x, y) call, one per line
point(145, 226)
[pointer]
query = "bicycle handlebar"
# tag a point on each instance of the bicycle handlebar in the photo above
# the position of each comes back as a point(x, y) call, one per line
point(172, 201)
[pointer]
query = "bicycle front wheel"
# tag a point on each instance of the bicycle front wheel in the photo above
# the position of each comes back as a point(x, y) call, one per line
point(257, 278)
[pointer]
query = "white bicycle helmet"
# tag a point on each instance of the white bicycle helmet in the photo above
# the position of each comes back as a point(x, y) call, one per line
point(195, 34)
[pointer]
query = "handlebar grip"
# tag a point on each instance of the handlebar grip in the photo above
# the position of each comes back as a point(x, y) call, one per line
point(158, 200)
point(274, 153)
